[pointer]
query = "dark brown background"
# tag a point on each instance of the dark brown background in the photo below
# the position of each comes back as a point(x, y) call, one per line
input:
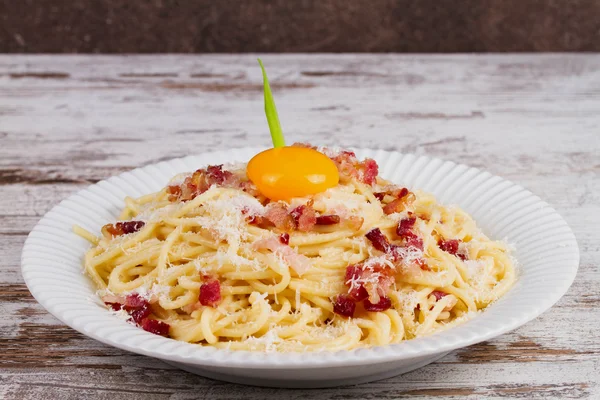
point(130, 26)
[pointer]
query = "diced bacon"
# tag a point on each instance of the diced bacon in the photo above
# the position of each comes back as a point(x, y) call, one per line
point(449, 246)
point(298, 262)
point(353, 272)
point(372, 281)
point(210, 293)
point(201, 180)
point(284, 238)
point(155, 326)
point(344, 305)
point(402, 199)
point(438, 294)
point(383, 304)
point(305, 217)
point(139, 313)
point(368, 171)
point(379, 196)
point(328, 219)
point(353, 279)
point(174, 192)
point(452, 246)
point(122, 228)
point(114, 306)
point(135, 300)
point(412, 240)
point(134, 304)
point(277, 214)
point(405, 226)
point(379, 240)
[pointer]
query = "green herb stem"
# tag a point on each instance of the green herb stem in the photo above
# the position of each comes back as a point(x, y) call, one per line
point(271, 112)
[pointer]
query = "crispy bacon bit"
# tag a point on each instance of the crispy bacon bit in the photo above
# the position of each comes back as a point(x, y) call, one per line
point(114, 306)
point(200, 181)
point(328, 219)
point(134, 304)
point(452, 246)
point(369, 170)
point(344, 305)
point(305, 217)
point(356, 291)
point(122, 228)
point(412, 240)
point(155, 326)
point(174, 192)
point(139, 313)
point(379, 240)
point(449, 246)
point(284, 238)
point(298, 262)
point(383, 304)
point(379, 195)
point(438, 294)
point(405, 226)
point(134, 300)
point(210, 293)
point(401, 201)
point(277, 214)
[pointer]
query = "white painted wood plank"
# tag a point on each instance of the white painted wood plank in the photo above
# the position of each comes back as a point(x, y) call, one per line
point(67, 121)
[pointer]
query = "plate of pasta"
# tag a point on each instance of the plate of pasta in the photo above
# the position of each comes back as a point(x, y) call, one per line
point(299, 266)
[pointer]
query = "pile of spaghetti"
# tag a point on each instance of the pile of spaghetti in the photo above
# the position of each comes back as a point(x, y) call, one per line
point(209, 260)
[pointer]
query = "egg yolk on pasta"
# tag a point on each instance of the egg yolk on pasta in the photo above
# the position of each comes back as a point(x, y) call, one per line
point(285, 172)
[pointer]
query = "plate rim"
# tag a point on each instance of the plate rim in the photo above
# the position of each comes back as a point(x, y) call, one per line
point(213, 357)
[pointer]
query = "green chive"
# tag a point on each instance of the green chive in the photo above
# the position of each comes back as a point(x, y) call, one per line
point(271, 112)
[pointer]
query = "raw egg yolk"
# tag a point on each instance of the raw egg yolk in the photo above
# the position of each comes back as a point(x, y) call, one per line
point(285, 172)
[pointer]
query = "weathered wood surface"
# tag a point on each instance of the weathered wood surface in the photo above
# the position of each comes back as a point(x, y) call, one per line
point(66, 121)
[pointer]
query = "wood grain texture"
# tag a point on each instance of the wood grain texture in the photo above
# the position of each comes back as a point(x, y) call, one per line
point(67, 121)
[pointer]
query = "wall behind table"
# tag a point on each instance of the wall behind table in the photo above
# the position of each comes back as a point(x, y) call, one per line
point(199, 26)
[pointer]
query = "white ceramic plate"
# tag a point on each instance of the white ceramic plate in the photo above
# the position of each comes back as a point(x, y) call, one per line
point(545, 248)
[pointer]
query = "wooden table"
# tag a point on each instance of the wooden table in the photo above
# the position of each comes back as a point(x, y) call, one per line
point(68, 121)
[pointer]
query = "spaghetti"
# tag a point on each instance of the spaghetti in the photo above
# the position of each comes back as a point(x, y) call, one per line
point(210, 260)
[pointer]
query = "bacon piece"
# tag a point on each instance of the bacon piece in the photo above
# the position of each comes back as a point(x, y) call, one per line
point(438, 294)
point(277, 214)
point(405, 226)
point(200, 181)
point(122, 228)
point(305, 217)
point(412, 240)
point(284, 238)
point(449, 246)
point(328, 219)
point(298, 262)
point(379, 240)
point(383, 304)
point(373, 281)
point(402, 198)
point(155, 326)
point(344, 305)
point(452, 246)
point(174, 192)
point(379, 195)
point(356, 291)
point(368, 171)
point(210, 293)
point(134, 304)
